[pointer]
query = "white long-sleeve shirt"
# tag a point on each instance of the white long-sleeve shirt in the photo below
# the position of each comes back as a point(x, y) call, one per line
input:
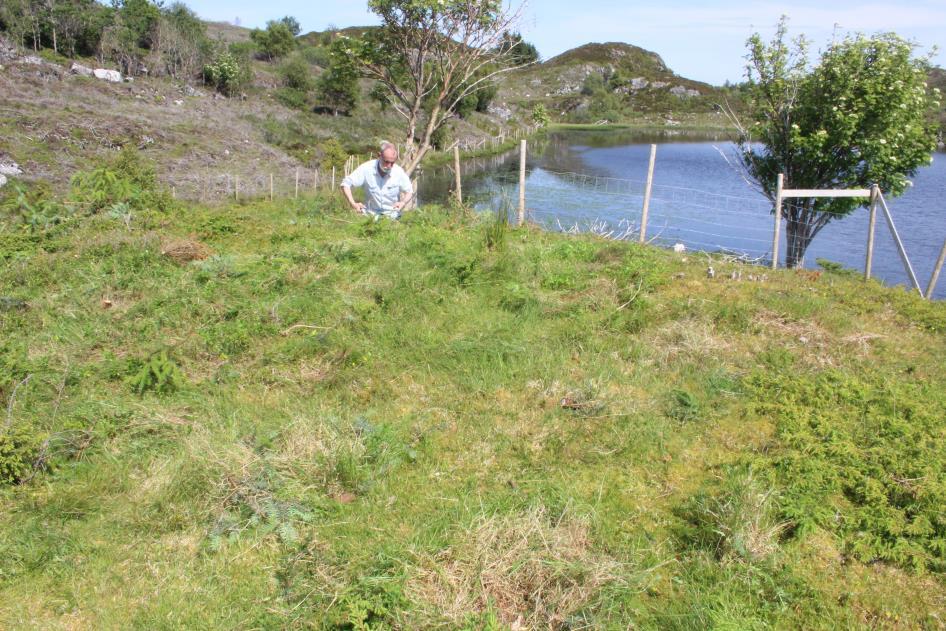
point(381, 191)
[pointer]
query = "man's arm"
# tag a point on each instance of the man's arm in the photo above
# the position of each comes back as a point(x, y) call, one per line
point(406, 194)
point(355, 178)
point(358, 207)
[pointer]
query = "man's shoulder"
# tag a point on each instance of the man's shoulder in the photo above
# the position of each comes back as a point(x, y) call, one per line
point(367, 166)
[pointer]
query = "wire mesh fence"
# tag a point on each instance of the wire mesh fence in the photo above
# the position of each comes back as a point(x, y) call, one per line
point(577, 202)
point(222, 186)
point(740, 225)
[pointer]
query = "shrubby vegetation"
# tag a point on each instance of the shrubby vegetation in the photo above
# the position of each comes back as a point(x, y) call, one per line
point(229, 72)
point(276, 40)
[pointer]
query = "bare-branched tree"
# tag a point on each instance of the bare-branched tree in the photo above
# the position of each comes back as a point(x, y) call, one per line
point(429, 55)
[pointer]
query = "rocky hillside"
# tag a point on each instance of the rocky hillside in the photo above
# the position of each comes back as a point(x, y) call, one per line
point(611, 81)
point(56, 116)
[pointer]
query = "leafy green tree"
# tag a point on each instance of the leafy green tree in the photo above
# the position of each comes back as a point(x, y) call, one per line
point(521, 52)
point(131, 34)
point(292, 24)
point(862, 116)
point(141, 18)
point(15, 20)
point(181, 41)
point(275, 41)
point(79, 25)
point(338, 85)
point(431, 55)
point(296, 74)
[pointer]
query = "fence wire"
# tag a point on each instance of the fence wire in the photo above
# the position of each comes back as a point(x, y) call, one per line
point(741, 226)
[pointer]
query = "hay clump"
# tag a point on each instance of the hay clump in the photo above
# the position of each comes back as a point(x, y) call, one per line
point(533, 571)
point(185, 250)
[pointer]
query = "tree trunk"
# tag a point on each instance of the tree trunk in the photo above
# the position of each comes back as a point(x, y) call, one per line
point(801, 226)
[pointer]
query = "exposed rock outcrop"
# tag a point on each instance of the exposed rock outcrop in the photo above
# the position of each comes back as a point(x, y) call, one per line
point(79, 69)
point(108, 75)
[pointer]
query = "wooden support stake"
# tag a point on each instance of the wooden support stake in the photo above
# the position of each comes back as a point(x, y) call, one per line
point(173, 192)
point(779, 187)
point(522, 182)
point(456, 171)
point(297, 183)
point(333, 179)
point(315, 181)
point(270, 187)
point(236, 187)
point(936, 270)
point(871, 224)
point(647, 190)
point(896, 237)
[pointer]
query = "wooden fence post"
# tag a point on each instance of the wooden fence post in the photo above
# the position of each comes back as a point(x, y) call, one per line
point(871, 224)
point(900, 248)
point(236, 187)
point(270, 187)
point(779, 185)
point(173, 192)
point(936, 270)
point(315, 181)
point(456, 169)
point(297, 182)
point(333, 179)
point(647, 189)
point(522, 182)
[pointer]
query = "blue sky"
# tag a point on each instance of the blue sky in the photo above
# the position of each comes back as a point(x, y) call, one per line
point(699, 40)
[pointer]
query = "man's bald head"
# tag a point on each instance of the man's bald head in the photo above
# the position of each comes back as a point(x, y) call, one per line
point(387, 157)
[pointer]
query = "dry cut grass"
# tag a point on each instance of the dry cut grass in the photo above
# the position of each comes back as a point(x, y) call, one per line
point(531, 569)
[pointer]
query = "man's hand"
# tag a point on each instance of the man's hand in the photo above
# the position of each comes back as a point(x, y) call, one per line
point(397, 206)
point(358, 207)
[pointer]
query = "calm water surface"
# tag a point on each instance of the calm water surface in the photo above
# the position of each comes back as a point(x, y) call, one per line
point(700, 199)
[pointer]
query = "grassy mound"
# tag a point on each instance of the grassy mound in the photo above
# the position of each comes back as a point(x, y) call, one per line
point(279, 415)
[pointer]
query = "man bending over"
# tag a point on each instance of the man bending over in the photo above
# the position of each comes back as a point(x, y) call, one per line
point(387, 187)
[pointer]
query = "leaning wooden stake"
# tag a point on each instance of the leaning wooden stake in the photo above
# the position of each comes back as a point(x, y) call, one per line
point(896, 237)
point(647, 190)
point(936, 271)
point(874, 192)
point(779, 186)
point(270, 187)
point(456, 170)
point(522, 182)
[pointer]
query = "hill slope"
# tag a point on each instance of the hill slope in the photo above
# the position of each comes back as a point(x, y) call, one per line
point(612, 81)
point(278, 415)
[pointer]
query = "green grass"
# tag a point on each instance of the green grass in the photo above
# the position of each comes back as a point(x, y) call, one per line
point(447, 423)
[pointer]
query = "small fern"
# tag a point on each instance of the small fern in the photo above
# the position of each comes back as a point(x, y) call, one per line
point(159, 374)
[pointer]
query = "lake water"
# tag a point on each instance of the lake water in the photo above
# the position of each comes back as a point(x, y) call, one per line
point(593, 179)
